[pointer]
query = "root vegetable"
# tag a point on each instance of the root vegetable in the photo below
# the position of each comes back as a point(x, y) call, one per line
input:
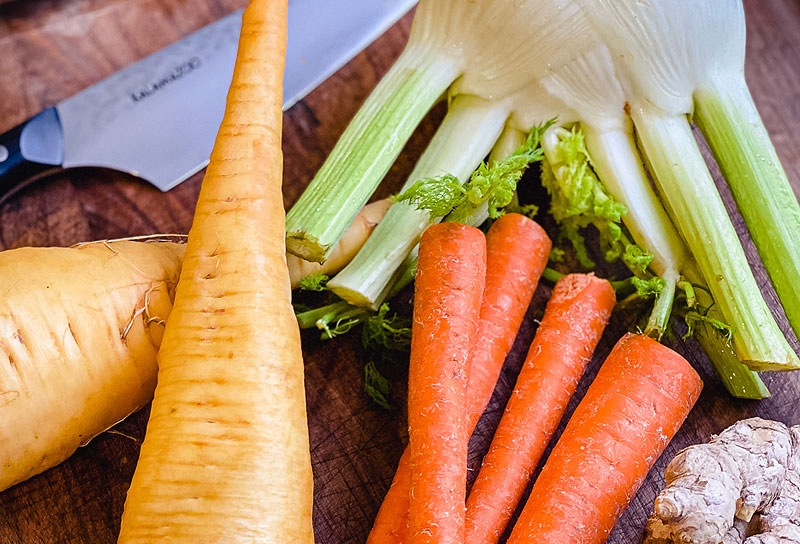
point(780, 521)
point(658, 533)
point(752, 466)
point(447, 300)
point(226, 453)
point(517, 249)
point(737, 533)
point(79, 331)
point(573, 322)
point(634, 407)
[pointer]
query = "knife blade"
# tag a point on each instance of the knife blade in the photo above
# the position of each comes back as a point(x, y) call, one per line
point(158, 118)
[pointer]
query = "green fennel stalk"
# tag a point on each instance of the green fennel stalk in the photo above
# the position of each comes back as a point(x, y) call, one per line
point(730, 122)
point(697, 210)
point(617, 163)
point(333, 319)
point(365, 152)
point(469, 130)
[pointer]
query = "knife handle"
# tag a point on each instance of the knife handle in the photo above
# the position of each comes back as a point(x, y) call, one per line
point(16, 172)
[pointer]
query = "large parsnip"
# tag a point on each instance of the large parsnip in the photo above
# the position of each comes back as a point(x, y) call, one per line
point(226, 455)
point(79, 331)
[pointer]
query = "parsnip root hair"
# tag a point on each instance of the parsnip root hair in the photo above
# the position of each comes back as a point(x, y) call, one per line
point(79, 331)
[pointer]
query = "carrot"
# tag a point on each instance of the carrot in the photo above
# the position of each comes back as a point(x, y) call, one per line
point(573, 322)
point(79, 330)
point(354, 237)
point(450, 280)
point(226, 453)
point(517, 250)
point(637, 403)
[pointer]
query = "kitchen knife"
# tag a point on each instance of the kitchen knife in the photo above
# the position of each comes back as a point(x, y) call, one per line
point(157, 118)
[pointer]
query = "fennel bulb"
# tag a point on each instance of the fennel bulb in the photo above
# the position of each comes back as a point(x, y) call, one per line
point(449, 39)
point(583, 78)
point(669, 53)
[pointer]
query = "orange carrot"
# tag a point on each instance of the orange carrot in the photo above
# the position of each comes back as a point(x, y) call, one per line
point(573, 322)
point(517, 250)
point(450, 281)
point(637, 403)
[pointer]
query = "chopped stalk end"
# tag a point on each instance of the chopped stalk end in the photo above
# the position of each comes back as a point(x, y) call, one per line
point(789, 363)
point(356, 298)
point(365, 152)
point(307, 247)
point(662, 309)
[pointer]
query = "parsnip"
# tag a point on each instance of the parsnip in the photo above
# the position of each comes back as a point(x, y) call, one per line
point(79, 331)
point(226, 454)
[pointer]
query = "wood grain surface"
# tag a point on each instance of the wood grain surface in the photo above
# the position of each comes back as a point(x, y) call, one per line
point(51, 49)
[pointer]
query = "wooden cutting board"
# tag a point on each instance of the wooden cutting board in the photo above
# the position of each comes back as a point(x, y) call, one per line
point(51, 49)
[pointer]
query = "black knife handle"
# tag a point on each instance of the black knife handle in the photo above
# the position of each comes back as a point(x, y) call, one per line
point(16, 171)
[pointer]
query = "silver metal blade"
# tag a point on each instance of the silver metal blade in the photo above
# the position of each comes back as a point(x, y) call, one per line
point(158, 118)
point(325, 34)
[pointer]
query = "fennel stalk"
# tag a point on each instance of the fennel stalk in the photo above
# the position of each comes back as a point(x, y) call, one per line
point(729, 120)
point(469, 130)
point(686, 184)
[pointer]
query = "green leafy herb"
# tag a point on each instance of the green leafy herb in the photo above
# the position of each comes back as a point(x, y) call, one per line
point(693, 318)
point(529, 210)
point(437, 195)
point(493, 185)
point(381, 336)
point(578, 200)
point(648, 288)
point(636, 258)
point(386, 333)
point(376, 386)
point(496, 185)
point(317, 282)
point(341, 326)
point(556, 255)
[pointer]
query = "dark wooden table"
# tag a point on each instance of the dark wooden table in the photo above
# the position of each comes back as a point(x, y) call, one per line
point(51, 49)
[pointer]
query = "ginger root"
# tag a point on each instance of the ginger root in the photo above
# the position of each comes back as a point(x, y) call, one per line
point(713, 490)
point(780, 521)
